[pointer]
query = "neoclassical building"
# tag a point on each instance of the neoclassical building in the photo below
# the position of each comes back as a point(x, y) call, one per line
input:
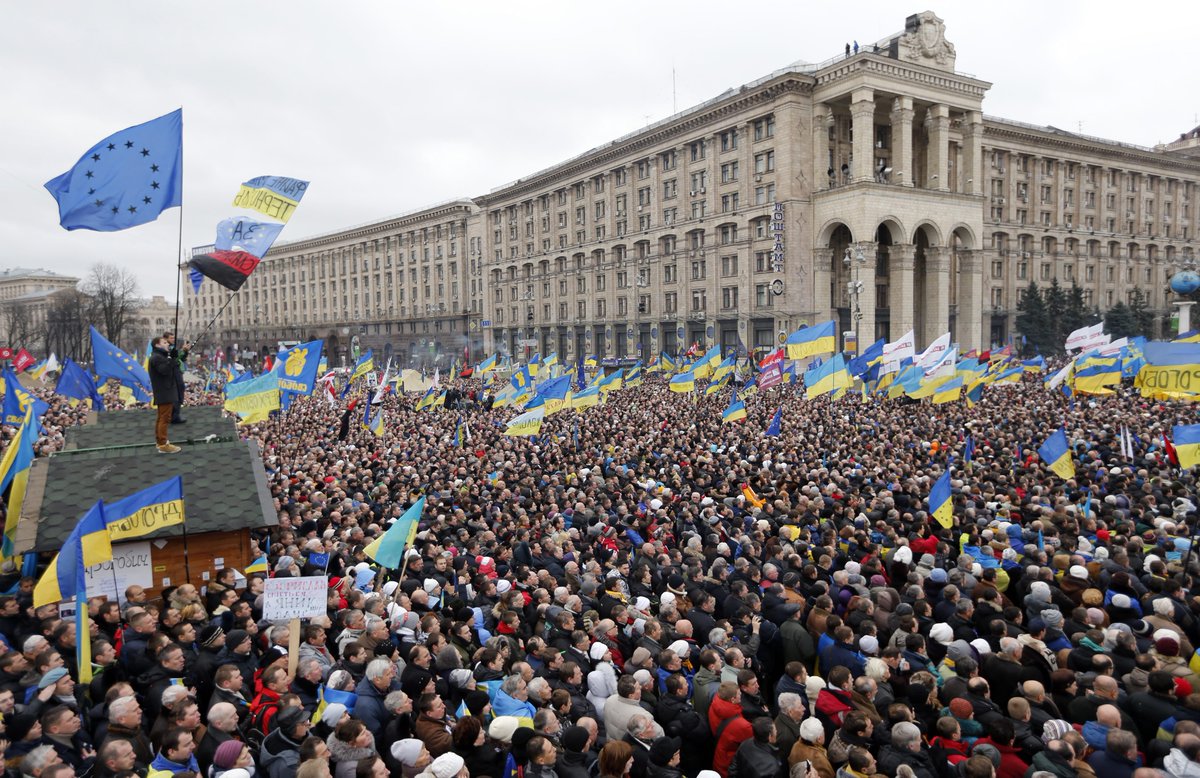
point(871, 189)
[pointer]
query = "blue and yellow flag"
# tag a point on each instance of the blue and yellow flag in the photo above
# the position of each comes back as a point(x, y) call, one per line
point(807, 341)
point(716, 385)
point(14, 472)
point(940, 505)
point(274, 196)
point(725, 368)
point(111, 362)
point(635, 376)
point(427, 399)
point(586, 398)
point(829, 376)
point(589, 361)
point(949, 391)
point(684, 382)
point(488, 364)
point(553, 393)
point(298, 367)
point(1035, 365)
point(388, 549)
point(366, 363)
point(1098, 376)
point(520, 378)
point(666, 362)
point(17, 401)
point(88, 544)
point(872, 357)
point(526, 424)
point(260, 565)
point(146, 511)
point(1057, 454)
point(735, 412)
point(1191, 336)
point(705, 366)
point(975, 392)
point(1187, 444)
point(253, 399)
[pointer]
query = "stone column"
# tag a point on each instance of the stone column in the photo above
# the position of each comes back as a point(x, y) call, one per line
point(862, 111)
point(938, 120)
point(902, 157)
point(820, 147)
point(970, 300)
point(822, 276)
point(973, 153)
point(937, 293)
point(863, 273)
point(900, 279)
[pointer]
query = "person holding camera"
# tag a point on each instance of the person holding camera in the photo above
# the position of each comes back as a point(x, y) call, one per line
point(178, 357)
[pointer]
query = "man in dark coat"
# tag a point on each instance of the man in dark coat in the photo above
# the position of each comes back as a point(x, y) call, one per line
point(166, 393)
point(178, 357)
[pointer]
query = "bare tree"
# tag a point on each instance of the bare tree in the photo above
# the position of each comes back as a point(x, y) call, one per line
point(114, 292)
point(18, 326)
point(67, 321)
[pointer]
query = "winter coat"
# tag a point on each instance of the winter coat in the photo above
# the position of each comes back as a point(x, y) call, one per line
point(1111, 765)
point(617, 713)
point(814, 753)
point(601, 684)
point(279, 756)
point(163, 380)
point(755, 760)
point(345, 756)
point(733, 734)
point(890, 758)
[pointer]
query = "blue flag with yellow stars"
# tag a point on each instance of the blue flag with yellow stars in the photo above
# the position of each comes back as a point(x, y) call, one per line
point(108, 361)
point(127, 179)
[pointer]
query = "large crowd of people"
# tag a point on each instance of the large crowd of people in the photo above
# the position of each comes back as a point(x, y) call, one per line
point(643, 591)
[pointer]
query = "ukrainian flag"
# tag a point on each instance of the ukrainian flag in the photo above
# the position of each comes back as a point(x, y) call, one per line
point(684, 382)
point(634, 378)
point(366, 363)
point(551, 360)
point(1191, 336)
point(14, 472)
point(817, 339)
point(427, 400)
point(735, 412)
point(867, 359)
point(715, 386)
point(259, 565)
point(975, 392)
point(388, 549)
point(88, 544)
point(146, 511)
point(439, 400)
point(666, 363)
point(1010, 376)
point(948, 392)
point(1057, 454)
point(723, 369)
point(1035, 365)
point(1187, 444)
point(1097, 377)
point(927, 387)
point(611, 382)
point(830, 376)
point(375, 422)
point(521, 378)
point(488, 364)
point(554, 393)
point(940, 506)
point(589, 361)
point(529, 423)
point(704, 366)
point(586, 399)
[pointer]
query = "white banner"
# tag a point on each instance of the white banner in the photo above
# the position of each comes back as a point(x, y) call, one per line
point(933, 354)
point(1080, 337)
point(897, 350)
point(133, 567)
point(295, 598)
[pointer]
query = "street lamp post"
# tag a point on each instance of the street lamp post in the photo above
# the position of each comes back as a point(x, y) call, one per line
point(854, 288)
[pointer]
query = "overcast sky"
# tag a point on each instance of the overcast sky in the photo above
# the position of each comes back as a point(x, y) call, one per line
point(387, 107)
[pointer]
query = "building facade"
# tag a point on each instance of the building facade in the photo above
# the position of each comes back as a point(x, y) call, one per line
point(870, 189)
point(27, 297)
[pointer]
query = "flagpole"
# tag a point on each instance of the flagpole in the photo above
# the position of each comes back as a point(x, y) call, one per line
point(179, 247)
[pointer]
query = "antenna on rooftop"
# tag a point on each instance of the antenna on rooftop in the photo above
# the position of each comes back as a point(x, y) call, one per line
point(674, 100)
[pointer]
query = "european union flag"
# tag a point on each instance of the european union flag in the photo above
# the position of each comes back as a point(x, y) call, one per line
point(75, 382)
point(111, 362)
point(127, 179)
point(776, 422)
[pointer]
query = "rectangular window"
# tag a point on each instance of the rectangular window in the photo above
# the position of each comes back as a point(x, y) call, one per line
point(644, 196)
point(762, 261)
point(729, 172)
point(699, 269)
point(620, 176)
point(699, 182)
point(729, 297)
point(762, 296)
point(671, 302)
point(764, 128)
point(670, 189)
point(699, 300)
point(729, 265)
point(669, 159)
point(670, 273)
point(600, 206)
point(729, 202)
point(764, 162)
point(729, 140)
point(698, 150)
point(643, 168)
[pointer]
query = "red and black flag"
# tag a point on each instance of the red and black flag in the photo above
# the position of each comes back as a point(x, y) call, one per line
point(230, 269)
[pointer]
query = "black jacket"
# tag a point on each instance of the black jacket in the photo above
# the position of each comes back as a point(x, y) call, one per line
point(572, 765)
point(163, 378)
point(756, 760)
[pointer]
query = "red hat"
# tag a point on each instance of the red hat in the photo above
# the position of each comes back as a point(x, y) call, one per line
point(1182, 688)
point(960, 708)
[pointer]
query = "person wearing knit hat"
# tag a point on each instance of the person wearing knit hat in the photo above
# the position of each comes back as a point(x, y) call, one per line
point(502, 728)
point(226, 755)
point(446, 766)
point(477, 703)
point(960, 708)
point(869, 645)
point(235, 638)
point(942, 633)
point(1166, 645)
point(1054, 729)
point(640, 658)
point(597, 651)
point(52, 677)
point(210, 635)
point(411, 753)
point(333, 713)
point(574, 740)
point(664, 751)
